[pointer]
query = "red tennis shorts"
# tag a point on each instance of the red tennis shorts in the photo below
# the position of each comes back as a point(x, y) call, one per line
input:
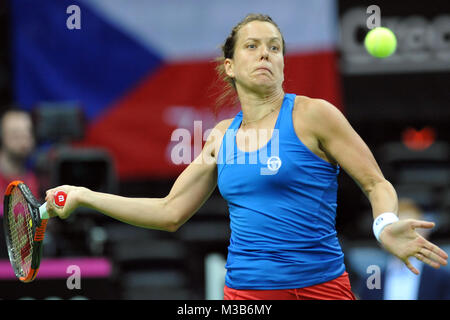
point(337, 289)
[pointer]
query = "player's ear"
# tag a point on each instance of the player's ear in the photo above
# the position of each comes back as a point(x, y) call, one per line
point(229, 66)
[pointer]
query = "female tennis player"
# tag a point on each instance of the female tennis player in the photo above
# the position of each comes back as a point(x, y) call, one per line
point(281, 188)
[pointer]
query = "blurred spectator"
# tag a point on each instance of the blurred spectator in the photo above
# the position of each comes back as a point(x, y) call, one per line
point(17, 143)
point(398, 282)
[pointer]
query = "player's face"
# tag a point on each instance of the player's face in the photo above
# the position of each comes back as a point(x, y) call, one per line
point(258, 60)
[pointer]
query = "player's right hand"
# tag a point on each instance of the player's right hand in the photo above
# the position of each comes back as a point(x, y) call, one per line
point(73, 200)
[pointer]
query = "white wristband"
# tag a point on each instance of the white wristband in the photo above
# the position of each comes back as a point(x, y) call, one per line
point(382, 221)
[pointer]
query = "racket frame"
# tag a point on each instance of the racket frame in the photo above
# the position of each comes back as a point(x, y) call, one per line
point(39, 226)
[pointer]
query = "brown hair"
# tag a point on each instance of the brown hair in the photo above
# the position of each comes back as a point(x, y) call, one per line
point(228, 52)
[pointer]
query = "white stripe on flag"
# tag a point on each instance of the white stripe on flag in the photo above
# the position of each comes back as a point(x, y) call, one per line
point(195, 29)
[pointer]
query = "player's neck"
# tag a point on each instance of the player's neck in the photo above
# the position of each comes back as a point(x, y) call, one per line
point(257, 106)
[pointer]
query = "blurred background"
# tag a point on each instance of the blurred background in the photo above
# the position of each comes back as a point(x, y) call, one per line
point(107, 82)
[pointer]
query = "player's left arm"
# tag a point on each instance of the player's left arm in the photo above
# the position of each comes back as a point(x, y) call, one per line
point(339, 140)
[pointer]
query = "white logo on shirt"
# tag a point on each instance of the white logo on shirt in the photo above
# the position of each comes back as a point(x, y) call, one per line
point(274, 163)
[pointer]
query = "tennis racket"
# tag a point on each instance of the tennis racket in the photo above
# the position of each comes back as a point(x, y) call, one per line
point(25, 221)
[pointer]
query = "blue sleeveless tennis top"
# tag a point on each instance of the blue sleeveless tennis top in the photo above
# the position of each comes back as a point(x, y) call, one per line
point(282, 205)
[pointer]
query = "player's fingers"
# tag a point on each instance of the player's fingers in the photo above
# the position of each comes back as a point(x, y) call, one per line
point(50, 195)
point(61, 213)
point(53, 207)
point(54, 211)
point(424, 259)
point(47, 196)
point(411, 267)
point(50, 207)
point(52, 214)
point(50, 191)
point(441, 255)
point(422, 224)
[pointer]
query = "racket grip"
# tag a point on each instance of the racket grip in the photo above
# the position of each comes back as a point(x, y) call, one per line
point(59, 201)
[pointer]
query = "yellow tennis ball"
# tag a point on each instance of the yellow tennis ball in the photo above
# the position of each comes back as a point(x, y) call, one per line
point(380, 42)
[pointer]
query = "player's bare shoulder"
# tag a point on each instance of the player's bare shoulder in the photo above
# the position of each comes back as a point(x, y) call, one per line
point(310, 118)
point(310, 113)
point(223, 125)
point(303, 113)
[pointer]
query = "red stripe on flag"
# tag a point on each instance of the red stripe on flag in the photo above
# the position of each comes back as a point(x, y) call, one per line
point(138, 135)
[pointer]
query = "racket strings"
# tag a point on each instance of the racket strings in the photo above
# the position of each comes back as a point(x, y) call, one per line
point(20, 232)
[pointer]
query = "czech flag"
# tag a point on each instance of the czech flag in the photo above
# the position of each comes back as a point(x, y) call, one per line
point(142, 69)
